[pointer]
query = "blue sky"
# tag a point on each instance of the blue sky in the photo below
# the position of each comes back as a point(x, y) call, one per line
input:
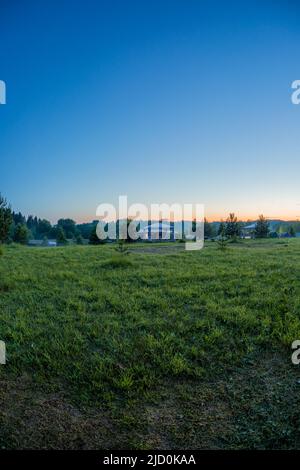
point(165, 101)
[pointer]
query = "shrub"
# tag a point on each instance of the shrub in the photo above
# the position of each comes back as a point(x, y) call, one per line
point(122, 248)
point(222, 242)
point(79, 239)
point(94, 239)
point(45, 241)
point(61, 237)
point(21, 234)
point(118, 262)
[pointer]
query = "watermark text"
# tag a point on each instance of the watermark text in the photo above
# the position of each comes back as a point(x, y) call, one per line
point(2, 92)
point(296, 94)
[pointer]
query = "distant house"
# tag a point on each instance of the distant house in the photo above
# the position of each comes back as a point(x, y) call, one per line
point(45, 243)
point(248, 231)
point(159, 231)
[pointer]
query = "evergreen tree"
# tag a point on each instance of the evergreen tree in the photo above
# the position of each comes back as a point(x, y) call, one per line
point(292, 232)
point(122, 247)
point(43, 228)
point(45, 241)
point(61, 237)
point(122, 227)
point(261, 227)
point(21, 234)
point(11, 232)
point(68, 226)
point(232, 229)
point(208, 232)
point(94, 239)
point(79, 239)
point(221, 228)
point(222, 241)
point(5, 219)
point(19, 218)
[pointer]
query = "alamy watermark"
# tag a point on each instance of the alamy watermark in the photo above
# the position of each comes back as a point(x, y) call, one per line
point(2, 92)
point(296, 354)
point(296, 94)
point(2, 353)
point(168, 222)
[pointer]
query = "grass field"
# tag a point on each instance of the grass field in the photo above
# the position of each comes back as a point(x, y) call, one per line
point(167, 349)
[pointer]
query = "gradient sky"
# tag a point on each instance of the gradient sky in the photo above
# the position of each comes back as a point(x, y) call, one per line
point(165, 101)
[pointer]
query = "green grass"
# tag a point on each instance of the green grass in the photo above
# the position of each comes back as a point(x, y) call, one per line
point(162, 348)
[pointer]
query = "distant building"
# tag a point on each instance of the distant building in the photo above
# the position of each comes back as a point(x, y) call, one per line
point(45, 243)
point(248, 231)
point(159, 231)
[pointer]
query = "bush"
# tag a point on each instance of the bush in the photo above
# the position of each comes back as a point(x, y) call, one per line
point(61, 237)
point(45, 241)
point(118, 261)
point(223, 242)
point(122, 248)
point(21, 234)
point(79, 239)
point(94, 239)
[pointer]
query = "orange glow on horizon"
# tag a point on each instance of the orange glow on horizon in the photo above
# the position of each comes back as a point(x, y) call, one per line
point(215, 217)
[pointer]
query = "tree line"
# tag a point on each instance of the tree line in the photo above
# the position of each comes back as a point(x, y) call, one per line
point(232, 228)
point(15, 227)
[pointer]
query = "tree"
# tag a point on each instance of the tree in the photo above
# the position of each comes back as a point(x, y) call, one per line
point(61, 237)
point(21, 234)
point(122, 228)
point(79, 239)
point(222, 241)
point(5, 219)
point(85, 229)
point(43, 228)
point(53, 232)
point(221, 228)
point(32, 225)
point(280, 230)
point(292, 232)
point(93, 238)
point(208, 231)
point(19, 218)
point(30, 222)
point(68, 226)
point(261, 227)
point(122, 247)
point(45, 241)
point(11, 232)
point(232, 228)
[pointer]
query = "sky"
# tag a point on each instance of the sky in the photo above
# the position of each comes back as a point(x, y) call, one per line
point(164, 101)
